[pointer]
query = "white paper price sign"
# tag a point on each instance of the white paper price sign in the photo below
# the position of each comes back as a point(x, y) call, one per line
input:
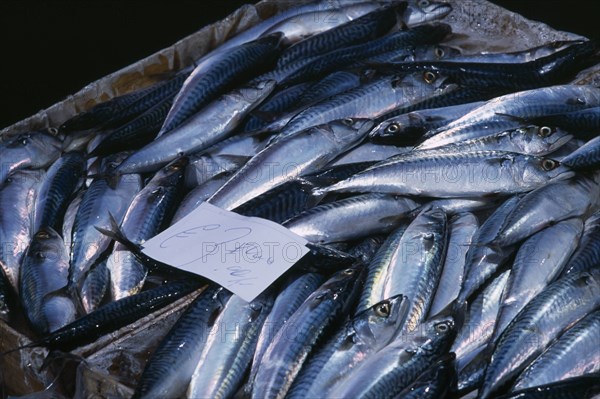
point(243, 254)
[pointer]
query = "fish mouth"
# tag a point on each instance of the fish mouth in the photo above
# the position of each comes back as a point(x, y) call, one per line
point(559, 142)
point(561, 173)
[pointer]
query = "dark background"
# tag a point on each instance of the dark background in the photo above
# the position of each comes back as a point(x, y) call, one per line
point(52, 49)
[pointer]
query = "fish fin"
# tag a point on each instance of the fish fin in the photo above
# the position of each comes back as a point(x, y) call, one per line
point(117, 235)
point(392, 219)
point(513, 117)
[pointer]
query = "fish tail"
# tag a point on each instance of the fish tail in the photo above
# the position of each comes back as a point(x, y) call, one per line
point(117, 235)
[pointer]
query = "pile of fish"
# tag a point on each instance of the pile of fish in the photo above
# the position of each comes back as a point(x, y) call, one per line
point(451, 202)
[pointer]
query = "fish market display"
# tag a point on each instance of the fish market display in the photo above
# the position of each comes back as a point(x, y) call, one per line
point(450, 201)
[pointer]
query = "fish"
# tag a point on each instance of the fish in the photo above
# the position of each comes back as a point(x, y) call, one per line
point(226, 356)
point(370, 100)
point(366, 333)
point(541, 321)
point(328, 223)
point(316, 66)
point(282, 202)
point(543, 71)
point(527, 55)
point(61, 181)
point(408, 128)
point(359, 30)
point(551, 203)
point(482, 260)
point(470, 174)
point(43, 276)
point(114, 315)
point(277, 103)
point(529, 140)
point(538, 262)
point(169, 369)
point(17, 199)
point(34, 150)
point(461, 230)
point(120, 109)
point(198, 195)
point(575, 353)
point(294, 292)
point(217, 121)
point(220, 73)
point(150, 210)
point(395, 367)
point(586, 255)
point(323, 309)
point(480, 319)
point(135, 133)
point(500, 112)
point(410, 265)
point(322, 144)
point(99, 202)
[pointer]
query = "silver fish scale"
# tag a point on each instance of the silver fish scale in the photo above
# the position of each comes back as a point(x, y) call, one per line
point(575, 350)
point(367, 101)
point(555, 309)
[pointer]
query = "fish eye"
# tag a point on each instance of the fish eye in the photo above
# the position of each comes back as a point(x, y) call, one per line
point(392, 128)
point(545, 131)
point(382, 309)
point(348, 272)
point(442, 327)
point(549, 164)
point(24, 141)
point(429, 77)
point(348, 121)
point(423, 3)
point(439, 52)
point(42, 234)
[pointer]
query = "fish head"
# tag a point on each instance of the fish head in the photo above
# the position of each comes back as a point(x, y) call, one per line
point(173, 173)
point(539, 139)
point(435, 53)
point(553, 169)
point(421, 11)
point(399, 125)
point(46, 244)
point(36, 143)
point(439, 332)
point(385, 319)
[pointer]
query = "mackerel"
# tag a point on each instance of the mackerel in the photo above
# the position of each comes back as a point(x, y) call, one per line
point(149, 211)
point(471, 174)
point(499, 113)
point(320, 312)
point(292, 156)
point(328, 223)
point(555, 309)
point(44, 274)
point(17, 197)
point(213, 123)
point(225, 358)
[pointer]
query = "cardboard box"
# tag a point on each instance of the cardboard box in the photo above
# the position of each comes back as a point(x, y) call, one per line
point(477, 25)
